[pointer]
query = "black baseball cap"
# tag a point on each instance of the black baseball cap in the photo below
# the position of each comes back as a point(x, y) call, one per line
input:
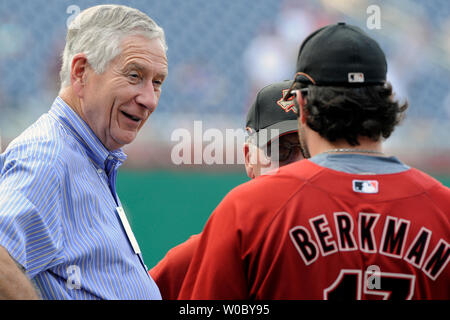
point(270, 111)
point(341, 55)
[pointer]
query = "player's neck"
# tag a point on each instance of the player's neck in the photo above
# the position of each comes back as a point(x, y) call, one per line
point(366, 146)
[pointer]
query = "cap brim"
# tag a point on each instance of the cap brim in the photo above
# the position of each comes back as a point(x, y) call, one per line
point(304, 78)
point(276, 130)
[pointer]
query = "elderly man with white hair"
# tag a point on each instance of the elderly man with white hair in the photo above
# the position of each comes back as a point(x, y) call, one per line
point(63, 232)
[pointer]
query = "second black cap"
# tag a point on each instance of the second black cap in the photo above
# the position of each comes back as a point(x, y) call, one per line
point(271, 111)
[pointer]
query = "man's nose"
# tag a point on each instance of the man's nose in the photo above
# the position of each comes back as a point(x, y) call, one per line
point(147, 96)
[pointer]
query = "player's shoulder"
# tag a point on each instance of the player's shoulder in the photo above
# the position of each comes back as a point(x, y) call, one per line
point(277, 187)
point(295, 173)
point(427, 183)
point(439, 193)
point(251, 207)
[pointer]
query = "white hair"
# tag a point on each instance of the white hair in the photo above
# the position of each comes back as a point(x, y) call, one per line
point(97, 32)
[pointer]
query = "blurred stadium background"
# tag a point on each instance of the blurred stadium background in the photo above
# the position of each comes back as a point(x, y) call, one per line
point(221, 52)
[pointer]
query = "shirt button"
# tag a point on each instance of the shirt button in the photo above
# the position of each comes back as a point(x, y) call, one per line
point(99, 171)
point(110, 157)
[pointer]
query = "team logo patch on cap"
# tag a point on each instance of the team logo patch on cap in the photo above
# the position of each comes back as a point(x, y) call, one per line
point(365, 186)
point(286, 105)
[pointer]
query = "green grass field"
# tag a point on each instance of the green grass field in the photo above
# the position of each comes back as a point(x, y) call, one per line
point(165, 208)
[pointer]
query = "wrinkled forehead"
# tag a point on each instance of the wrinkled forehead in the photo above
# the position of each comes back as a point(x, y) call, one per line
point(143, 52)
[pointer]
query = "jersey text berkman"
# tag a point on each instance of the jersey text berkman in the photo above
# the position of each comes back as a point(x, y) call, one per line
point(391, 244)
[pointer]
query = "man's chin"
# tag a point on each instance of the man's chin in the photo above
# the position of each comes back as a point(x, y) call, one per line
point(118, 141)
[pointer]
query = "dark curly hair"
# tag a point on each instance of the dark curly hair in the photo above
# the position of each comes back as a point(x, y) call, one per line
point(350, 112)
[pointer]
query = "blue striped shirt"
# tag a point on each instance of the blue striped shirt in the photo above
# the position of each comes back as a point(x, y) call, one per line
point(58, 216)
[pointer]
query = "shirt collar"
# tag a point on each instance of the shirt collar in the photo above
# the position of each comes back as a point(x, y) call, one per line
point(359, 163)
point(84, 134)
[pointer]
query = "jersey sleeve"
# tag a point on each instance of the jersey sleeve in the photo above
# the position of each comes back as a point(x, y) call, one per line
point(30, 193)
point(217, 271)
point(169, 273)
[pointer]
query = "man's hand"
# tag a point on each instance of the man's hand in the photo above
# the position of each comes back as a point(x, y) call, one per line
point(14, 284)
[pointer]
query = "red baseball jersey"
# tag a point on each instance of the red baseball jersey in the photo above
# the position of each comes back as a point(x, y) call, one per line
point(170, 271)
point(309, 232)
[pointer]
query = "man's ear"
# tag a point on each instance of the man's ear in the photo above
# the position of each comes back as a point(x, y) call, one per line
point(248, 161)
point(78, 73)
point(300, 100)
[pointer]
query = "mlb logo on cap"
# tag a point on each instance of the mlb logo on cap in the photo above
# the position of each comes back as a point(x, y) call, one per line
point(355, 77)
point(365, 186)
